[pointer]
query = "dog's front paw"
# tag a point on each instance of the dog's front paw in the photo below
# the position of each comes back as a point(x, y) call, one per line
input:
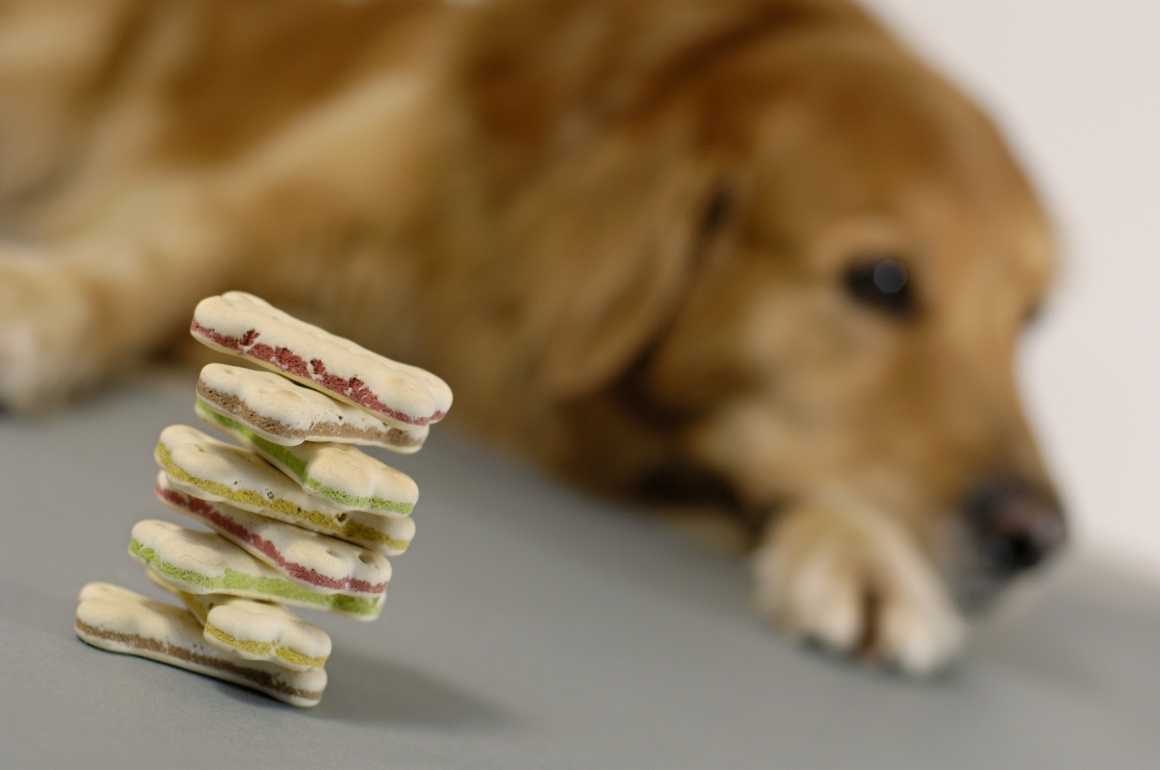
point(43, 323)
point(842, 574)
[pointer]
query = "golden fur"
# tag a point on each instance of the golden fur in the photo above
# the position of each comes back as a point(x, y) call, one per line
point(623, 231)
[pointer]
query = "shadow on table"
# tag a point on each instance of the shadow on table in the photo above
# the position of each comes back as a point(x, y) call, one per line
point(373, 691)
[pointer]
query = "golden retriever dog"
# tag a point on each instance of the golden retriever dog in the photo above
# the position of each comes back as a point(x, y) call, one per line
point(750, 255)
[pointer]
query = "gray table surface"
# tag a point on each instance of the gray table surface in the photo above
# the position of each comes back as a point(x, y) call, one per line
point(528, 627)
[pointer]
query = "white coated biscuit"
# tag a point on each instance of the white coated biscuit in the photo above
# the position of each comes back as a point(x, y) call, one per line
point(255, 630)
point(315, 562)
point(210, 469)
point(244, 325)
point(206, 563)
point(281, 412)
point(116, 619)
point(270, 632)
point(339, 473)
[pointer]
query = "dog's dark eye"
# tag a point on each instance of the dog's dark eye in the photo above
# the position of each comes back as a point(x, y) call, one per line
point(882, 282)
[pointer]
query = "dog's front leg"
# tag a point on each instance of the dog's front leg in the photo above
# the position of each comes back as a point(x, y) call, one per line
point(78, 303)
point(837, 571)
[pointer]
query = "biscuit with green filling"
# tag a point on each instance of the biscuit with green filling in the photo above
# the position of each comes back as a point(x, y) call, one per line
point(340, 473)
point(206, 563)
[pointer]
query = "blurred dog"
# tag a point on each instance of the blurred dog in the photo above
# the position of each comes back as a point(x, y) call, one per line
point(744, 253)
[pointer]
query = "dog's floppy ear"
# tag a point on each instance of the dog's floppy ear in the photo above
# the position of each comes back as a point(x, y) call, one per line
point(595, 138)
point(613, 243)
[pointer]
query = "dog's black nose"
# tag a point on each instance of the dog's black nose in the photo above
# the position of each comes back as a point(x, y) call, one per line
point(1015, 526)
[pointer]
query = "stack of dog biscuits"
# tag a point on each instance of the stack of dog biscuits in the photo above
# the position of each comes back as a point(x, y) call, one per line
point(298, 514)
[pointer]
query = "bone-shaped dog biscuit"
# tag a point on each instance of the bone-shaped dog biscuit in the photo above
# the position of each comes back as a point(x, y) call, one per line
point(210, 469)
point(242, 324)
point(316, 562)
point(340, 473)
point(204, 563)
point(261, 631)
point(116, 619)
point(255, 630)
point(283, 413)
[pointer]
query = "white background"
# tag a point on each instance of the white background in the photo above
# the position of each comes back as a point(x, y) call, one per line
point(1076, 87)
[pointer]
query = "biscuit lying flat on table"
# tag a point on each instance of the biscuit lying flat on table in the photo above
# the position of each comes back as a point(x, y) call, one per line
point(340, 473)
point(255, 630)
point(206, 563)
point(315, 562)
point(210, 469)
point(119, 620)
point(284, 413)
point(239, 323)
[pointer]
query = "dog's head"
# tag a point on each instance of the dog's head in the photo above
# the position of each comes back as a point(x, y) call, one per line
point(767, 252)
